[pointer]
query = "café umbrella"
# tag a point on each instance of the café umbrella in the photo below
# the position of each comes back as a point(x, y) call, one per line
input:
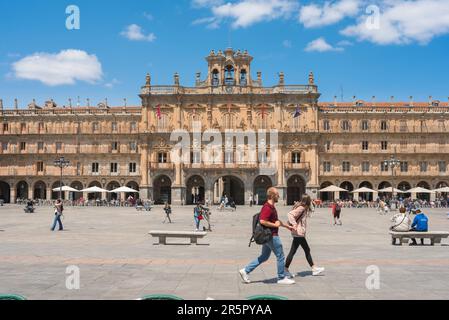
point(94, 190)
point(65, 188)
point(124, 190)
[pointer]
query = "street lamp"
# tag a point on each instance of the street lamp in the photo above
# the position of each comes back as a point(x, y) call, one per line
point(392, 163)
point(61, 163)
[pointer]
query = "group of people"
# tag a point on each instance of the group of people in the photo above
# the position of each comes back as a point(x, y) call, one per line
point(297, 225)
point(200, 213)
point(402, 222)
point(227, 202)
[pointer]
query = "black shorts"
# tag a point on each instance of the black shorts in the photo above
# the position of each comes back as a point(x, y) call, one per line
point(337, 214)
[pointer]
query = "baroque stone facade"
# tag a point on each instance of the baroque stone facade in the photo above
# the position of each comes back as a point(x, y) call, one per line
point(326, 143)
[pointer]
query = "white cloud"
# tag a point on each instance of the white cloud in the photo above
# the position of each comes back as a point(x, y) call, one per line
point(320, 45)
point(287, 44)
point(134, 32)
point(314, 15)
point(245, 13)
point(404, 22)
point(206, 3)
point(65, 67)
point(112, 83)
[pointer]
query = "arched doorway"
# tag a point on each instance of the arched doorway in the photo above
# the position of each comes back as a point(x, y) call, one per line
point(261, 185)
point(111, 186)
point(40, 191)
point(94, 196)
point(325, 196)
point(195, 190)
point(346, 195)
point(55, 194)
point(133, 185)
point(75, 196)
point(440, 185)
point(367, 196)
point(296, 187)
point(403, 186)
point(5, 190)
point(423, 196)
point(162, 190)
point(22, 190)
point(231, 187)
point(383, 185)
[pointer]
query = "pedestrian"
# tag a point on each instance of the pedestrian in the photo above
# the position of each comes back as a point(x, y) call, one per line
point(167, 210)
point(197, 216)
point(58, 213)
point(420, 224)
point(269, 219)
point(256, 199)
point(250, 200)
point(336, 212)
point(297, 218)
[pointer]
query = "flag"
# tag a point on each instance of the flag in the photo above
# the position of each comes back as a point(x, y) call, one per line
point(158, 111)
point(297, 112)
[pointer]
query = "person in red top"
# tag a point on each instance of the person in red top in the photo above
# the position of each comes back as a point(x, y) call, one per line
point(269, 218)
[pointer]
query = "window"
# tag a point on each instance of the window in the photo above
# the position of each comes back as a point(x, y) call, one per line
point(326, 166)
point(5, 146)
point(132, 167)
point(40, 146)
point(423, 126)
point(5, 127)
point(23, 127)
point(215, 78)
point(229, 76)
point(229, 156)
point(383, 125)
point(133, 146)
point(365, 166)
point(384, 166)
point(365, 145)
point(346, 166)
point(328, 145)
point(23, 146)
point(365, 125)
point(403, 145)
point(40, 166)
point(95, 167)
point(296, 157)
point(78, 168)
point(95, 127)
point(403, 126)
point(442, 166)
point(229, 121)
point(195, 157)
point(114, 127)
point(404, 166)
point(326, 125)
point(162, 157)
point(133, 126)
point(114, 167)
point(384, 145)
point(114, 146)
point(58, 146)
point(423, 166)
point(345, 125)
point(243, 81)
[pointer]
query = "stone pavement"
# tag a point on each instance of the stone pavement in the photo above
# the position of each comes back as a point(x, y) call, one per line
point(119, 260)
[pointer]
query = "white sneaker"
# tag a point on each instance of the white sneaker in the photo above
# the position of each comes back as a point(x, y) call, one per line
point(316, 271)
point(286, 281)
point(244, 276)
point(288, 274)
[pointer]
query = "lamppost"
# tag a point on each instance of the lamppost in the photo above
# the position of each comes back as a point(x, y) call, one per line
point(392, 163)
point(61, 163)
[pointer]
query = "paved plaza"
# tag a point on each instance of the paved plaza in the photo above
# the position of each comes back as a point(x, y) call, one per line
point(119, 260)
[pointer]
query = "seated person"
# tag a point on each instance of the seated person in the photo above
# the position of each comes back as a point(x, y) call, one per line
point(401, 221)
point(29, 206)
point(420, 223)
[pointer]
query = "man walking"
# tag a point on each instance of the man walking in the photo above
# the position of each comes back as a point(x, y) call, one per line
point(58, 213)
point(269, 219)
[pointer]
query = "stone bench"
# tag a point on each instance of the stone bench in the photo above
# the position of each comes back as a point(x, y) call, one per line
point(163, 235)
point(434, 236)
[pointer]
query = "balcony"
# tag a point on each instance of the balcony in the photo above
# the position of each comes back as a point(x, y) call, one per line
point(162, 166)
point(297, 166)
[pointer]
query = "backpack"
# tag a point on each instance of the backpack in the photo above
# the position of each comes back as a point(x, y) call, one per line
point(261, 234)
point(337, 208)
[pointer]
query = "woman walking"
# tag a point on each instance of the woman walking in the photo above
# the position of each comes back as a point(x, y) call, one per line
point(58, 213)
point(167, 210)
point(336, 212)
point(298, 219)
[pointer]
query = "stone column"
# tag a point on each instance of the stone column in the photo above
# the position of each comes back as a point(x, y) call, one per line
point(144, 169)
point(49, 192)
point(12, 193)
point(177, 188)
point(30, 191)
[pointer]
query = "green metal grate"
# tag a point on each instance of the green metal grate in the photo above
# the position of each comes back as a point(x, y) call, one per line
point(160, 297)
point(11, 297)
point(266, 297)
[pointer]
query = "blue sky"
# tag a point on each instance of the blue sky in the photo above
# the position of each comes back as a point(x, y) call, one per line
point(119, 41)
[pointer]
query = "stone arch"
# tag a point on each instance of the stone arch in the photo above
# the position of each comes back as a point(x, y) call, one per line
point(366, 196)
point(76, 195)
point(346, 195)
point(22, 190)
point(195, 190)
point(260, 186)
point(403, 186)
point(5, 192)
point(296, 187)
point(94, 196)
point(230, 186)
point(133, 185)
point(325, 196)
point(423, 196)
point(55, 194)
point(40, 191)
point(162, 189)
point(111, 186)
